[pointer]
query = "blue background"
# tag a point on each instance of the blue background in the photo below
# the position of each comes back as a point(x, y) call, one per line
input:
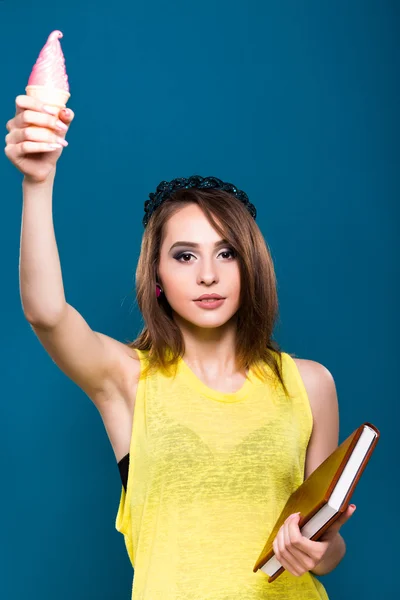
point(297, 104)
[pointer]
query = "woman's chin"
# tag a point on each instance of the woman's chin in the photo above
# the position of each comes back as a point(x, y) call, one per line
point(206, 319)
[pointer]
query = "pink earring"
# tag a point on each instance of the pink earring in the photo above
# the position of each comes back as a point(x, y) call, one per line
point(158, 290)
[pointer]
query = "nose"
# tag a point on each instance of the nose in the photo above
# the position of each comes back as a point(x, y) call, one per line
point(207, 272)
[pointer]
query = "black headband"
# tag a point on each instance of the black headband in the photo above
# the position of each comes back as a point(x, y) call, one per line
point(167, 188)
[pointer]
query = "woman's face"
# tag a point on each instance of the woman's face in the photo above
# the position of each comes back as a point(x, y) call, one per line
point(186, 272)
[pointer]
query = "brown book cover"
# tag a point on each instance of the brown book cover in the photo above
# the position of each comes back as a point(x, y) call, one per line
point(314, 493)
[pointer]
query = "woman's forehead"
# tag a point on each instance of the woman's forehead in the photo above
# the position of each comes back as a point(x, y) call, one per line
point(191, 224)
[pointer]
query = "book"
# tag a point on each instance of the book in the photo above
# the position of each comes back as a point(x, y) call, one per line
point(324, 495)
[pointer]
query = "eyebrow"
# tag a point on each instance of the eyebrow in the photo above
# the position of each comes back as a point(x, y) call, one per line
point(195, 245)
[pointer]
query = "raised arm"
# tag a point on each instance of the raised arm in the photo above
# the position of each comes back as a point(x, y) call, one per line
point(96, 362)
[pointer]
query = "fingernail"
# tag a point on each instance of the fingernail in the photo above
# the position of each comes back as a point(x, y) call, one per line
point(66, 112)
point(52, 110)
point(61, 125)
point(62, 141)
point(53, 146)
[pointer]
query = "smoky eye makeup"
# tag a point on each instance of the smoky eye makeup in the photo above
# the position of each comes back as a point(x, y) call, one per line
point(227, 250)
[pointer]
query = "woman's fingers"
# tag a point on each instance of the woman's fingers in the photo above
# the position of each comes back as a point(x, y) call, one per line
point(31, 111)
point(291, 535)
point(15, 151)
point(286, 559)
point(290, 557)
point(23, 102)
point(35, 130)
point(34, 134)
point(285, 564)
point(66, 115)
point(30, 117)
point(32, 140)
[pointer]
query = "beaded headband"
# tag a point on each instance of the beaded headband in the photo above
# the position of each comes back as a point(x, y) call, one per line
point(167, 188)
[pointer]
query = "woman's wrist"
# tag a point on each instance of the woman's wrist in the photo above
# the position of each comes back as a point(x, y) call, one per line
point(38, 192)
point(28, 182)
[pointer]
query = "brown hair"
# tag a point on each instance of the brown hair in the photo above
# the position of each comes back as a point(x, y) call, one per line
point(258, 310)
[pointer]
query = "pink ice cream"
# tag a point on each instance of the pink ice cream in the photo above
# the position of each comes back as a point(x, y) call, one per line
point(49, 69)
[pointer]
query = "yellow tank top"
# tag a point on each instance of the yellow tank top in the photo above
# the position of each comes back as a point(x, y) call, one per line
point(209, 475)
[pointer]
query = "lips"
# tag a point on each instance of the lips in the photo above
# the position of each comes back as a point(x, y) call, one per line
point(209, 297)
point(210, 303)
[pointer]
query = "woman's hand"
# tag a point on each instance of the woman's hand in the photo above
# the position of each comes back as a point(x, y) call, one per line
point(36, 137)
point(298, 554)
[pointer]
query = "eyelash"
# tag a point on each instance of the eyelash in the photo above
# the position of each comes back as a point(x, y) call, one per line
point(179, 256)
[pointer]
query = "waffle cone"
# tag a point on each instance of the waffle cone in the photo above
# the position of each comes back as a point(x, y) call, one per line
point(49, 95)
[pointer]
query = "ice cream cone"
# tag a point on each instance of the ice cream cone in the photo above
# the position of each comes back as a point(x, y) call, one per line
point(51, 96)
point(48, 80)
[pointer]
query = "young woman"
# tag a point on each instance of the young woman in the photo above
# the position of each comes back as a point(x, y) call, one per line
point(212, 425)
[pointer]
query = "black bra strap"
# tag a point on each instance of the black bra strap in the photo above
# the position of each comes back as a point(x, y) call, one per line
point(123, 467)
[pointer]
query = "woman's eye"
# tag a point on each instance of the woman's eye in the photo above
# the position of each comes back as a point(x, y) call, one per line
point(179, 256)
point(230, 251)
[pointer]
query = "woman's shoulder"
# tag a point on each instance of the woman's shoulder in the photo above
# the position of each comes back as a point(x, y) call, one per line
point(315, 380)
point(134, 353)
point(138, 362)
point(311, 371)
